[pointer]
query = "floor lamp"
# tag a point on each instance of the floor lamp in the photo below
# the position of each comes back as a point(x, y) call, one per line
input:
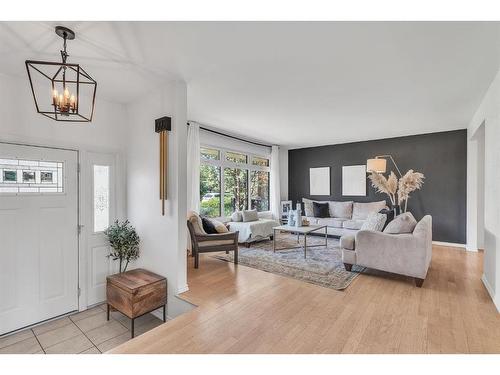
point(379, 164)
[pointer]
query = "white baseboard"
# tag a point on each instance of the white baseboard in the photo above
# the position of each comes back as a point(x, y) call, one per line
point(472, 249)
point(490, 292)
point(449, 244)
point(183, 289)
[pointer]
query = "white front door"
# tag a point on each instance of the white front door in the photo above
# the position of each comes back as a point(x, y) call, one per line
point(101, 212)
point(38, 234)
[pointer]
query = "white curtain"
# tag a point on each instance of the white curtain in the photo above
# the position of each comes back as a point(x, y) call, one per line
point(275, 183)
point(193, 167)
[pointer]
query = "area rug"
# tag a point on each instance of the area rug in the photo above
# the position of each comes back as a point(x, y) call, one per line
point(323, 265)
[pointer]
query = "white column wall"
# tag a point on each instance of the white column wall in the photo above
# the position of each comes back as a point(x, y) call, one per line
point(163, 238)
point(489, 113)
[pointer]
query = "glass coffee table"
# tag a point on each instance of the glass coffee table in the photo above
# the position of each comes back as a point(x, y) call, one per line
point(305, 230)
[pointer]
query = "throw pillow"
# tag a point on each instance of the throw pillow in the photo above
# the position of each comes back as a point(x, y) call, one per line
point(321, 209)
point(375, 221)
point(308, 207)
point(404, 223)
point(361, 210)
point(250, 215)
point(341, 210)
point(219, 227)
point(195, 219)
point(390, 216)
point(236, 216)
point(208, 226)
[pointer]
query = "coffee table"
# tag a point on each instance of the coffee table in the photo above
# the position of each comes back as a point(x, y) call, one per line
point(305, 230)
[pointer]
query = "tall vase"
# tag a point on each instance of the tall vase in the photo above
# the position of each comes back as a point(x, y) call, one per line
point(397, 209)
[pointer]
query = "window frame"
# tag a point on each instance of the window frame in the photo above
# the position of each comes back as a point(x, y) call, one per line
point(222, 163)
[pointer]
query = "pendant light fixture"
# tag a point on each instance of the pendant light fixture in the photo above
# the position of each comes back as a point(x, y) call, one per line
point(62, 91)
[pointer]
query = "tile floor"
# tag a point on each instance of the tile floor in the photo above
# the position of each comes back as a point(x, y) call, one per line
point(87, 332)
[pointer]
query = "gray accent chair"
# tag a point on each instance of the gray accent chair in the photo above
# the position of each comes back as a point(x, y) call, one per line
point(202, 242)
point(406, 254)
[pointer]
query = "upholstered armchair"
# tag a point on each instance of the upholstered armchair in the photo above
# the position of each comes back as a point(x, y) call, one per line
point(202, 242)
point(406, 254)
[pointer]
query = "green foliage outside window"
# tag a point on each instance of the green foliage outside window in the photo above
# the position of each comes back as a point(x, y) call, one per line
point(239, 183)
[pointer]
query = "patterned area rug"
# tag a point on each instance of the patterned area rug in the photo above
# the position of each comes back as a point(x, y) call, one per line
point(323, 265)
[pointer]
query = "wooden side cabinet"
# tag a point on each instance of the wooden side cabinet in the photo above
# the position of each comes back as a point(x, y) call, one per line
point(135, 293)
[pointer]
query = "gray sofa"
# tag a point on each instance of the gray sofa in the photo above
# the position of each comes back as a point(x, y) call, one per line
point(345, 217)
point(406, 254)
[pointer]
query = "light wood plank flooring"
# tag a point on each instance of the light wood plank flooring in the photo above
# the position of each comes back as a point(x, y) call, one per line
point(244, 310)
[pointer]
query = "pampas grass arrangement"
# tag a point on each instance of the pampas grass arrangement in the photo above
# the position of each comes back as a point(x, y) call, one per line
point(410, 182)
point(401, 189)
point(384, 185)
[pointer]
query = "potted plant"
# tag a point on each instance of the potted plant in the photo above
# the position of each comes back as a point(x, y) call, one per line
point(124, 242)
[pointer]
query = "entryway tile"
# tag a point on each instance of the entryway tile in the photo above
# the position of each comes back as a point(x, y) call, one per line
point(127, 322)
point(85, 314)
point(15, 337)
point(28, 346)
point(105, 332)
point(92, 322)
point(155, 322)
point(58, 335)
point(114, 342)
point(73, 345)
point(49, 326)
point(92, 350)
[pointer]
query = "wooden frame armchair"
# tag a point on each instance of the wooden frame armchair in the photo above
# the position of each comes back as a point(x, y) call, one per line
point(209, 243)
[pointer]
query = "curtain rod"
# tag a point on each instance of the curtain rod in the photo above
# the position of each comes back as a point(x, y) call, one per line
point(232, 136)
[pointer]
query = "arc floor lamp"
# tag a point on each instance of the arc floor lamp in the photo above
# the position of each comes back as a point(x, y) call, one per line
point(379, 164)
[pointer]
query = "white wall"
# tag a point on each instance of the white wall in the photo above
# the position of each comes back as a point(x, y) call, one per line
point(163, 238)
point(128, 132)
point(479, 138)
point(284, 173)
point(21, 123)
point(489, 113)
point(216, 140)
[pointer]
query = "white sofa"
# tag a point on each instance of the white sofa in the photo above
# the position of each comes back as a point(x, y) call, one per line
point(253, 231)
point(345, 217)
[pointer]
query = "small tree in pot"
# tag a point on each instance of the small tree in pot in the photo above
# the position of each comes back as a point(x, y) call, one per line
point(124, 242)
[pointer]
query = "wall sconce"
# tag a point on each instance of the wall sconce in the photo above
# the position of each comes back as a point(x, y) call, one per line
point(162, 126)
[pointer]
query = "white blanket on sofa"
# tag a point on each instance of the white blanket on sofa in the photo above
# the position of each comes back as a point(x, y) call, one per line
point(253, 230)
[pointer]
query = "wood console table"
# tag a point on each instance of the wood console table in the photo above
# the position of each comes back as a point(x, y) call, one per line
point(135, 293)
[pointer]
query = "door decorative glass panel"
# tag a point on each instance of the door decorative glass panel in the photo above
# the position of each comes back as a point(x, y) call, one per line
point(101, 197)
point(31, 176)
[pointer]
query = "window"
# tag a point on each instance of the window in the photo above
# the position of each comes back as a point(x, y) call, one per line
point(210, 190)
point(209, 154)
point(259, 190)
point(231, 180)
point(260, 161)
point(236, 157)
point(235, 190)
point(31, 176)
point(101, 197)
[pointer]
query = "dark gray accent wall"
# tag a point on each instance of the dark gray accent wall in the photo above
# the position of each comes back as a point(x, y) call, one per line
point(441, 157)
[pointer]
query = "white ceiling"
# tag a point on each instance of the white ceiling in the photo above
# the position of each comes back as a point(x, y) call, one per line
point(290, 83)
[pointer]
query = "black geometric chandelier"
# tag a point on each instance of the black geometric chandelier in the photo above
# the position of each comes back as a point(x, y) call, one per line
point(62, 91)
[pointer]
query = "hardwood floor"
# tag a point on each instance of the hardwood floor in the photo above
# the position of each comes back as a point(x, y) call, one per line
point(244, 310)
